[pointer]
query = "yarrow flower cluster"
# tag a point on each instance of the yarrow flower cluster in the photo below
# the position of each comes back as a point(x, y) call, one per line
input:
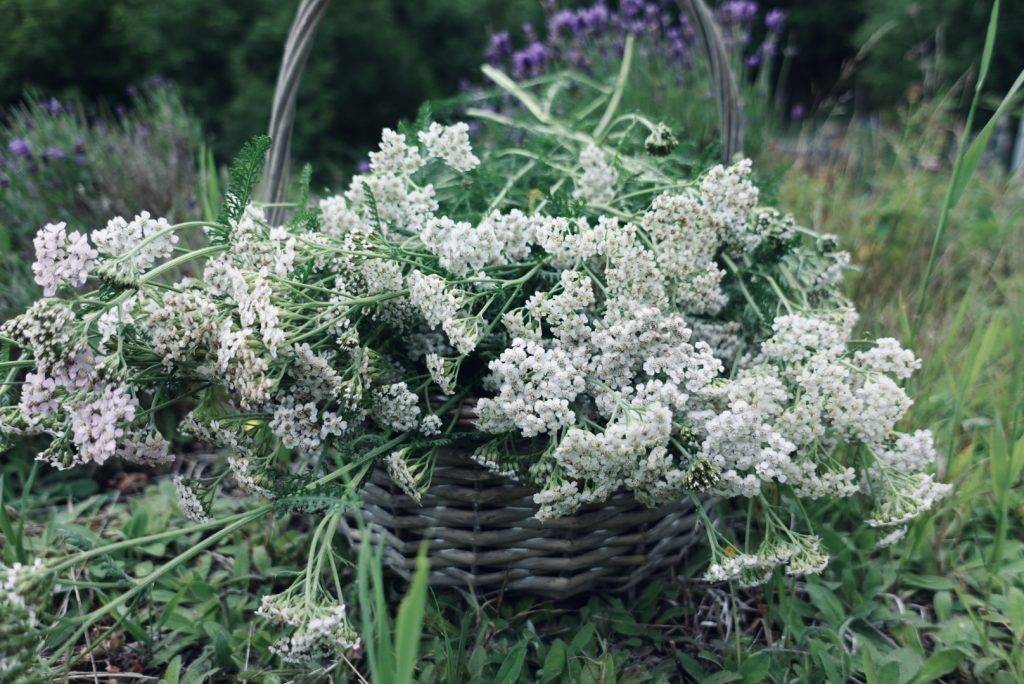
point(62, 258)
point(570, 314)
point(319, 631)
point(596, 183)
point(142, 241)
point(20, 637)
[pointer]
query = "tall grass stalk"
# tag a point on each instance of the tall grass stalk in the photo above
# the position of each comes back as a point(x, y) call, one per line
point(967, 158)
point(392, 650)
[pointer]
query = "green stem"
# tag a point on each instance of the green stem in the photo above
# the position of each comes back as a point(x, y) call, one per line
point(141, 541)
point(184, 258)
point(620, 86)
point(368, 456)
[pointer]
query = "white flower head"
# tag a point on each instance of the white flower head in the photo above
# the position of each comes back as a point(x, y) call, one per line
point(451, 144)
point(62, 258)
point(395, 156)
point(596, 184)
point(144, 240)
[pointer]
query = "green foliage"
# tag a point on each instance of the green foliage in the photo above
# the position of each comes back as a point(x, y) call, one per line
point(225, 57)
point(84, 167)
point(945, 604)
point(243, 176)
point(931, 43)
point(391, 649)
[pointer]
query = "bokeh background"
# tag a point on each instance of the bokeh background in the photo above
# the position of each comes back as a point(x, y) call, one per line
point(375, 61)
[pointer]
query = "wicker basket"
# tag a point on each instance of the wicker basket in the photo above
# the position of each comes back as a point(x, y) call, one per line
point(482, 535)
point(480, 529)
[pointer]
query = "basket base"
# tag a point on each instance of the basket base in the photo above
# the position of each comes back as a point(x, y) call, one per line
point(481, 535)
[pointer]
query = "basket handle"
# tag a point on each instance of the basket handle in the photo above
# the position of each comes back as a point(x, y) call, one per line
point(727, 97)
point(282, 113)
point(300, 41)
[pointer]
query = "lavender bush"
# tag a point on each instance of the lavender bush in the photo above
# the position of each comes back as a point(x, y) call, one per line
point(669, 80)
point(58, 163)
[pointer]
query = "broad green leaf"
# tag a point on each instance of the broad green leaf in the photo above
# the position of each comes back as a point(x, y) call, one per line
point(173, 671)
point(868, 666)
point(909, 661)
point(512, 666)
point(825, 601)
point(889, 673)
point(999, 463)
point(1015, 611)
point(582, 639)
point(755, 668)
point(222, 646)
point(930, 582)
point(554, 662)
point(943, 604)
point(260, 559)
point(691, 666)
point(939, 664)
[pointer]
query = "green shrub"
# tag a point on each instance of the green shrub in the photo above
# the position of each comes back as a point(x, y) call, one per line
point(372, 61)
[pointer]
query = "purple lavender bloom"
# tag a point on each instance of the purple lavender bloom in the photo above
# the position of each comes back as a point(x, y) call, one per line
point(5, 182)
point(530, 60)
point(20, 147)
point(595, 18)
point(363, 166)
point(632, 8)
point(753, 61)
point(738, 11)
point(676, 43)
point(80, 146)
point(577, 58)
point(564, 24)
point(500, 47)
point(53, 106)
point(53, 154)
point(798, 112)
point(529, 32)
point(120, 110)
point(775, 20)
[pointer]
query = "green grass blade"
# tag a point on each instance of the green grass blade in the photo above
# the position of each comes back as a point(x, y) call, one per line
point(409, 625)
point(959, 178)
point(620, 86)
point(502, 80)
point(977, 148)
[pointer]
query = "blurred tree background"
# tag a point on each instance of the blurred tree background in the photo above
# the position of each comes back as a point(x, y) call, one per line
point(374, 61)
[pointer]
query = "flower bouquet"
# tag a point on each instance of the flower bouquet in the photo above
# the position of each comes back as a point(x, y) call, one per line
point(616, 322)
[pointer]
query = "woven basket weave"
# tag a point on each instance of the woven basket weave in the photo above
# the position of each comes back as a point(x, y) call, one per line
point(480, 529)
point(482, 535)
